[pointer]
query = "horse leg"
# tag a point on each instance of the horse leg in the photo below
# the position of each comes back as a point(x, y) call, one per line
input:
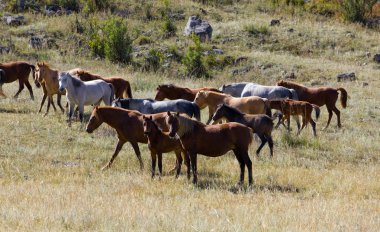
point(288, 118)
point(296, 118)
point(1, 91)
point(270, 143)
point(304, 122)
point(313, 125)
point(178, 163)
point(153, 156)
point(263, 141)
point(42, 102)
point(241, 164)
point(337, 112)
point(248, 163)
point(30, 89)
point(20, 88)
point(81, 110)
point(210, 114)
point(59, 102)
point(193, 162)
point(138, 154)
point(52, 103)
point(48, 106)
point(116, 152)
point(160, 163)
point(71, 111)
point(329, 120)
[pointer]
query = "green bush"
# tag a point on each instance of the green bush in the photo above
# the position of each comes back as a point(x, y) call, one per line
point(193, 60)
point(168, 27)
point(153, 60)
point(323, 7)
point(92, 6)
point(357, 10)
point(110, 40)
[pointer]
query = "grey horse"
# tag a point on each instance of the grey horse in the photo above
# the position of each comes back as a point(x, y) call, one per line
point(84, 93)
point(234, 89)
point(150, 106)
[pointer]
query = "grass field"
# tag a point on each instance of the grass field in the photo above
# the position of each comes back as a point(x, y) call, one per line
point(50, 174)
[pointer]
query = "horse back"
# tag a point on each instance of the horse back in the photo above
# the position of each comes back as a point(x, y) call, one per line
point(319, 96)
point(16, 70)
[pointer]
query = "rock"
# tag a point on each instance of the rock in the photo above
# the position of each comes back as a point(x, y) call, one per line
point(346, 76)
point(201, 28)
point(218, 51)
point(368, 54)
point(4, 49)
point(241, 71)
point(373, 22)
point(240, 60)
point(275, 22)
point(377, 58)
point(35, 42)
point(290, 76)
point(13, 20)
point(53, 10)
point(290, 30)
point(364, 84)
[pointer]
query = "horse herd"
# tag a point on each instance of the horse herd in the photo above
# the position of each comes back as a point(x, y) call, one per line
point(167, 125)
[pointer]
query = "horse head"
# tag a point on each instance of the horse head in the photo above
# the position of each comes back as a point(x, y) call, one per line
point(2, 76)
point(95, 120)
point(147, 124)
point(172, 122)
point(62, 79)
point(116, 102)
point(200, 99)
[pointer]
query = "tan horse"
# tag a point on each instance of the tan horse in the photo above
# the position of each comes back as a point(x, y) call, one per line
point(248, 105)
point(13, 71)
point(121, 87)
point(48, 78)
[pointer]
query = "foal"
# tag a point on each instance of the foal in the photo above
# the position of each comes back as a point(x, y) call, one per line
point(292, 107)
point(159, 142)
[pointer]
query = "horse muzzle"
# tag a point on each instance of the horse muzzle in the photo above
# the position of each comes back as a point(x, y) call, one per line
point(88, 130)
point(61, 89)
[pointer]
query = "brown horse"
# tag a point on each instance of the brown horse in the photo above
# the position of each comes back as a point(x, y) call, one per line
point(48, 78)
point(292, 107)
point(159, 142)
point(121, 87)
point(212, 140)
point(319, 96)
point(249, 105)
point(173, 92)
point(13, 71)
point(261, 124)
point(128, 125)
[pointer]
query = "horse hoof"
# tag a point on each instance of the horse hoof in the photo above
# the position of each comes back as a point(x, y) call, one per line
point(105, 168)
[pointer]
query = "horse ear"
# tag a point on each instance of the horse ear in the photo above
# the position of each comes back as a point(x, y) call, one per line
point(169, 113)
point(151, 117)
point(177, 113)
point(144, 117)
point(96, 107)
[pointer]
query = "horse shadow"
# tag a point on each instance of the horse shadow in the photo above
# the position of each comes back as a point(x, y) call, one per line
point(15, 111)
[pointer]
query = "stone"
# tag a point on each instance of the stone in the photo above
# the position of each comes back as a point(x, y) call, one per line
point(275, 22)
point(346, 76)
point(240, 60)
point(376, 58)
point(13, 20)
point(199, 27)
point(35, 42)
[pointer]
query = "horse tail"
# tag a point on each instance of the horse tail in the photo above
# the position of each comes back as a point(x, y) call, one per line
point(196, 111)
point(129, 90)
point(343, 97)
point(317, 110)
point(32, 67)
point(268, 110)
point(112, 93)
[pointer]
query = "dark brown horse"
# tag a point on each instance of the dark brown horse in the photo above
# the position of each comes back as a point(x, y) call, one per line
point(292, 107)
point(212, 140)
point(159, 142)
point(121, 87)
point(261, 124)
point(173, 92)
point(128, 125)
point(319, 96)
point(17, 70)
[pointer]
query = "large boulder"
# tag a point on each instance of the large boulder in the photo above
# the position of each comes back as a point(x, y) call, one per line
point(199, 27)
point(13, 20)
point(377, 58)
point(346, 76)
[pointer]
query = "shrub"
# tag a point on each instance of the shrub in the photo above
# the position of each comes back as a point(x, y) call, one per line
point(255, 31)
point(323, 7)
point(357, 10)
point(168, 27)
point(92, 6)
point(193, 60)
point(153, 60)
point(142, 40)
point(174, 54)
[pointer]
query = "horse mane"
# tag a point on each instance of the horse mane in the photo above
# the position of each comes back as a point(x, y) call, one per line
point(290, 84)
point(216, 93)
point(216, 90)
point(234, 110)
point(148, 99)
point(43, 64)
point(186, 124)
point(76, 82)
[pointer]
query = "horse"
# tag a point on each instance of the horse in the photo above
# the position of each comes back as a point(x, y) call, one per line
point(173, 92)
point(159, 142)
point(84, 93)
point(292, 107)
point(48, 78)
point(18, 70)
point(261, 124)
point(251, 105)
point(149, 106)
point(128, 125)
point(212, 141)
point(234, 89)
point(319, 96)
point(121, 87)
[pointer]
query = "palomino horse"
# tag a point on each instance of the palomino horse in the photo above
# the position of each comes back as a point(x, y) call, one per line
point(13, 71)
point(319, 96)
point(48, 78)
point(173, 92)
point(261, 124)
point(250, 105)
point(159, 142)
point(292, 107)
point(128, 125)
point(212, 140)
point(84, 93)
point(121, 87)
point(149, 106)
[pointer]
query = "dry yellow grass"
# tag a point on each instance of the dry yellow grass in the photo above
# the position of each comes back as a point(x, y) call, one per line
point(50, 174)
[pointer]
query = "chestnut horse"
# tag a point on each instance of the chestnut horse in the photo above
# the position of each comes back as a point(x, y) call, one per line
point(319, 96)
point(159, 142)
point(48, 78)
point(13, 71)
point(261, 124)
point(122, 87)
point(128, 125)
point(249, 105)
point(212, 140)
point(292, 107)
point(173, 92)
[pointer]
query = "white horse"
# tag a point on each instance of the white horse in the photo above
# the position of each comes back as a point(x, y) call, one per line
point(84, 93)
